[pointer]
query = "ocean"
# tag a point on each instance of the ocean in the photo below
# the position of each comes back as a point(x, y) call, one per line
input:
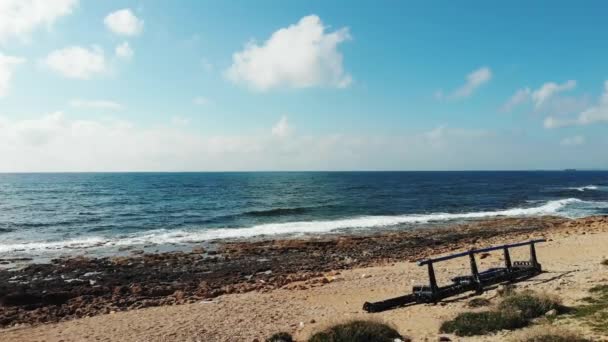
point(48, 215)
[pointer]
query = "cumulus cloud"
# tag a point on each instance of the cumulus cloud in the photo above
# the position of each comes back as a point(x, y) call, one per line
point(124, 22)
point(473, 81)
point(124, 51)
point(541, 96)
point(573, 141)
point(7, 68)
point(282, 129)
point(19, 18)
point(299, 56)
point(594, 114)
point(96, 104)
point(547, 90)
point(77, 62)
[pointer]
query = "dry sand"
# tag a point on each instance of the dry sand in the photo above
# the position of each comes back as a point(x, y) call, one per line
point(572, 264)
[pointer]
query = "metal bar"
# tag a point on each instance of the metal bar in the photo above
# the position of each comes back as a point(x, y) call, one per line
point(508, 264)
point(533, 259)
point(488, 249)
point(475, 272)
point(432, 279)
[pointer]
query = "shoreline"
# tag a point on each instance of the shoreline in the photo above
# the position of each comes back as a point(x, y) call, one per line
point(81, 287)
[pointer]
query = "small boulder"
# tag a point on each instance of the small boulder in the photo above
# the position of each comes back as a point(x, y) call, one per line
point(551, 313)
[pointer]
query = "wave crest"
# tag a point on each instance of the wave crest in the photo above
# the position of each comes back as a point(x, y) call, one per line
point(289, 228)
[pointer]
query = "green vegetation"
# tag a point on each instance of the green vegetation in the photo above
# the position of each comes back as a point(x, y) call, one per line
point(514, 312)
point(549, 333)
point(357, 331)
point(478, 302)
point(595, 312)
point(530, 304)
point(555, 338)
point(280, 337)
point(481, 323)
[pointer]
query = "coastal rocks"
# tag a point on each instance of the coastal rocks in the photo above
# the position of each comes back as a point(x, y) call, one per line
point(44, 293)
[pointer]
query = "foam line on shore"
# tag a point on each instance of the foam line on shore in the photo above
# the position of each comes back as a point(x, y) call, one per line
point(554, 207)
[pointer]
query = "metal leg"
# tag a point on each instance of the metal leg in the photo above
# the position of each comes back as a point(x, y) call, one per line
point(508, 264)
point(432, 280)
point(475, 272)
point(533, 259)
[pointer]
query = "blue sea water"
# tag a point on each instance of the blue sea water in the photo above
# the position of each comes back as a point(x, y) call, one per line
point(71, 213)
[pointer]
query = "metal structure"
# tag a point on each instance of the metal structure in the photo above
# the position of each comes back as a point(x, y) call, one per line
point(476, 281)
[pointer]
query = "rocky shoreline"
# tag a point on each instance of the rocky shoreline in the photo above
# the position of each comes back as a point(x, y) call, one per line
point(78, 287)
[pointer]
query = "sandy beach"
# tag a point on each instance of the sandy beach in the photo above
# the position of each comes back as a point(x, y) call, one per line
point(301, 301)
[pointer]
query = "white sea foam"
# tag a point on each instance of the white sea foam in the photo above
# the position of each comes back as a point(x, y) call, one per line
point(569, 207)
point(584, 188)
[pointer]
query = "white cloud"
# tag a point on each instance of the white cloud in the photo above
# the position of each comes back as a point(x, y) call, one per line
point(573, 141)
point(282, 129)
point(7, 68)
point(541, 96)
point(200, 100)
point(299, 56)
point(56, 142)
point(474, 80)
point(591, 115)
point(19, 18)
point(547, 90)
point(124, 22)
point(77, 62)
point(520, 96)
point(124, 51)
point(96, 104)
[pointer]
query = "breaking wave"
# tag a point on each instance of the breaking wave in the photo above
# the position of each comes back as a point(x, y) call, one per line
point(585, 188)
point(555, 207)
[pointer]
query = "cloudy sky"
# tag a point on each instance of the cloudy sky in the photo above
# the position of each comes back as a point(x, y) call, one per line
point(302, 85)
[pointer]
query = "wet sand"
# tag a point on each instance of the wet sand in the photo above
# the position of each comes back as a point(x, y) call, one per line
point(249, 290)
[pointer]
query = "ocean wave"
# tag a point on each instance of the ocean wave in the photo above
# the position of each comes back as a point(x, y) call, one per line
point(584, 188)
point(277, 212)
point(162, 236)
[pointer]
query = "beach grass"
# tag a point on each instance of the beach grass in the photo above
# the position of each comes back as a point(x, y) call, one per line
point(357, 331)
point(548, 333)
point(595, 311)
point(280, 337)
point(530, 304)
point(482, 323)
point(515, 311)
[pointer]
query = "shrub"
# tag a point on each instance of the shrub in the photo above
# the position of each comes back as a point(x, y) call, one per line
point(530, 305)
point(548, 333)
point(555, 338)
point(595, 312)
point(357, 331)
point(481, 323)
point(604, 262)
point(280, 337)
point(478, 302)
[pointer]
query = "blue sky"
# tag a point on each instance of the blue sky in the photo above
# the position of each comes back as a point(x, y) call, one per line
point(301, 85)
